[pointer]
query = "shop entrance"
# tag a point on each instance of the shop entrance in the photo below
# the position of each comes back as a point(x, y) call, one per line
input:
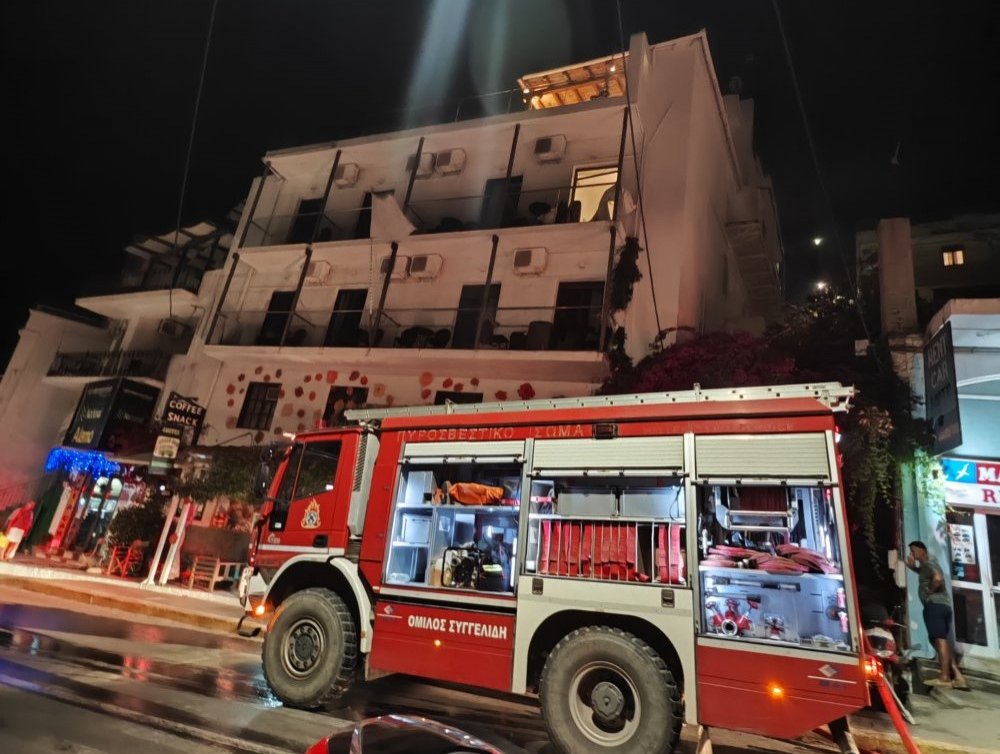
point(974, 554)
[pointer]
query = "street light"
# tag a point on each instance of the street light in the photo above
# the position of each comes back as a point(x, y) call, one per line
point(822, 285)
point(817, 240)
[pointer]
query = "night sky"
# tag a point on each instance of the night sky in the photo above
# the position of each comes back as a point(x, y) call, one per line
point(99, 99)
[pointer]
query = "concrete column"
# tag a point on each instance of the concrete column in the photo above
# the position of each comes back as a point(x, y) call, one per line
point(895, 273)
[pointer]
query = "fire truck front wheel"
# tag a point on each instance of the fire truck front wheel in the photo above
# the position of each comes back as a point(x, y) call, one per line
point(603, 689)
point(310, 649)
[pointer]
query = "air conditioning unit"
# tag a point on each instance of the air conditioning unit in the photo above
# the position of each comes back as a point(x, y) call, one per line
point(172, 328)
point(318, 272)
point(450, 161)
point(400, 270)
point(346, 175)
point(550, 148)
point(530, 261)
point(426, 166)
point(425, 266)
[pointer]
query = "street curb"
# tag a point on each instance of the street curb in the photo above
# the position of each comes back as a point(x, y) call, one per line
point(198, 620)
point(891, 743)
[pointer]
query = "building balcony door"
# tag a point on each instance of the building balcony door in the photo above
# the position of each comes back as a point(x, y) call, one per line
point(278, 312)
point(345, 322)
point(469, 305)
point(974, 554)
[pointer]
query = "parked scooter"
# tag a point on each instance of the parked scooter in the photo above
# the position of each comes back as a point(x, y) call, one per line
point(883, 640)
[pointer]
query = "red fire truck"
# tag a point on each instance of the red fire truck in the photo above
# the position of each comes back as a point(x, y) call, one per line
point(636, 561)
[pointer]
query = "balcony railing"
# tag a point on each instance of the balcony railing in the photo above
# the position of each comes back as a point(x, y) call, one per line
point(150, 364)
point(513, 207)
point(524, 328)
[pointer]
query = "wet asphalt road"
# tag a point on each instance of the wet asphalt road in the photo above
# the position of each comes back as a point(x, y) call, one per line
point(74, 678)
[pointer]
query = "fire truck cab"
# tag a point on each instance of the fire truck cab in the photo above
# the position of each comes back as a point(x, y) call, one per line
point(636, 561)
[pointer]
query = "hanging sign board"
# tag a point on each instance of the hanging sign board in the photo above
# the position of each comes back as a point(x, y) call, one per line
point(941, 391)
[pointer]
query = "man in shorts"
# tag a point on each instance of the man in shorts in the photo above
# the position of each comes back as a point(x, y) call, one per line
point(937, 613)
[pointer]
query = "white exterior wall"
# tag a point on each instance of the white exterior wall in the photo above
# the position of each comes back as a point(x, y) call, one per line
point(33, 410)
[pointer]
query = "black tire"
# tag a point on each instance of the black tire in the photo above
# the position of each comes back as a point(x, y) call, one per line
point(604, 690)
point(310, 649)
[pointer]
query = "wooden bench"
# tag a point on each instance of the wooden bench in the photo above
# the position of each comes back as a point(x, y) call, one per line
point(209, 571)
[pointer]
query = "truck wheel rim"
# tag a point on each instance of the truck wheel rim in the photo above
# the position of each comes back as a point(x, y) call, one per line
point(604, 703)
point(303, 647)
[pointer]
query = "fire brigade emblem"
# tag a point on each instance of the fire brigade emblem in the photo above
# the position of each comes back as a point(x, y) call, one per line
point(829, 671)
point(310, 519)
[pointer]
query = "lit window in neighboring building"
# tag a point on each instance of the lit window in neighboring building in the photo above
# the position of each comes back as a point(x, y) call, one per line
point(953, 257)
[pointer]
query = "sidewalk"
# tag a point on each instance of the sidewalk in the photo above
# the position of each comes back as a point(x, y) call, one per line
point(218, 611)
point(947, 722)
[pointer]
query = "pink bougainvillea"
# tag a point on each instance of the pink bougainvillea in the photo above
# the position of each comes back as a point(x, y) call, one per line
point(426, 378)
point(312, 395)
point(459, 387)
point(331, 376)
point(277, 372)
point(267, 378)
point(425, 393)
point(230, 403)
point(447, 383)
point(308, 378)
point(230, 389)
point(525, 391)
point(318, 376)
point(354, 375)
point(500, 395)
point(241, 377)
point(299, 391)
point(364, 380)
point(258, 370)
point(474, 382)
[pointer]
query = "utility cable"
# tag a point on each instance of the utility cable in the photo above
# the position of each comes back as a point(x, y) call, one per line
point(190, 146)
point(638, 177)
point(824, 190)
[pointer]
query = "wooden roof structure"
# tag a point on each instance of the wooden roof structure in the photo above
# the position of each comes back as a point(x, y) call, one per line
point(570, 85)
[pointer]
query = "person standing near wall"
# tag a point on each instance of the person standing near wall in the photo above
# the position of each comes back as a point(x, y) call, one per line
point(18, 526)
point(937, 613)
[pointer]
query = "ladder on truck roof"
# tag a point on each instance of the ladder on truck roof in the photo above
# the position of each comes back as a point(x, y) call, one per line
point(833, 395)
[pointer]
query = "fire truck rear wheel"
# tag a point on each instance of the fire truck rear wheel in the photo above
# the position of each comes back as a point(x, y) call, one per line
point(603, 689)
point(310, 649)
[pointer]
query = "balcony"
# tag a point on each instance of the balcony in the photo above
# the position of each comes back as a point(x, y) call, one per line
point(75, 367)
point(503, 205)
point(515, 340)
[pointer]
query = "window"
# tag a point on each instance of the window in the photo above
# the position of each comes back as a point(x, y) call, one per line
point(594, 188)
point(341, 399)
point(259, 404)
point(953, 257)
point(310, 471)
point(443, 396)
point(770, 566)
point(576, 321)
point(344, 329)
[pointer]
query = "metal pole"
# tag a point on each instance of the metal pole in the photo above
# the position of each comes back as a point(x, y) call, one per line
point(326, 195)
point(385, 290)
point(149, 580)
point(253, 204)
point(222, 298)
point(176, 546)
point(413, 175)
point(606, 298)
point(486, 292)
point(298, 292)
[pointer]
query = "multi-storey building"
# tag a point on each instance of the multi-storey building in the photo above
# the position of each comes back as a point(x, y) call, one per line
point(498, 257)
point(478, 260)
point(937, 288)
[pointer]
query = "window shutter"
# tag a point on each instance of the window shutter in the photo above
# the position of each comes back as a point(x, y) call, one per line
point(477, 452)
point(621, 454)
point(786, 456)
